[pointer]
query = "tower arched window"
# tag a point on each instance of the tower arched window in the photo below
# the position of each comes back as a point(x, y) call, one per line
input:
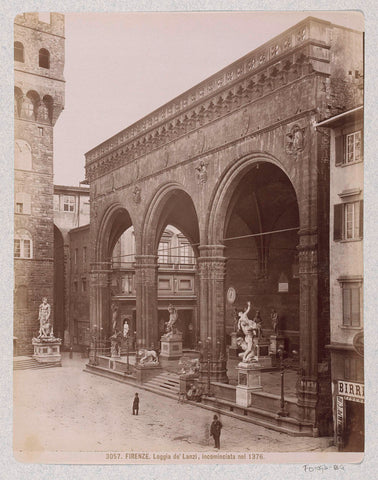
point(23, 244)
point(19, 52)
point(44, 58)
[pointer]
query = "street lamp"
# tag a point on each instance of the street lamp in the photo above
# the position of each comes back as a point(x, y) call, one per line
point(209, 354)
point(127, 355)
point(282, 412)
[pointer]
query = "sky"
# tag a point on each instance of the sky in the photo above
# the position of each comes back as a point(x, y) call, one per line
point(119, 67)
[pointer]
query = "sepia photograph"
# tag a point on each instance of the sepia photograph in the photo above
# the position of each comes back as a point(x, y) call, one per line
point(188, 238)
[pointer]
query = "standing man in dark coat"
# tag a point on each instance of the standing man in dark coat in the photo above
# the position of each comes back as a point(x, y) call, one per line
point(215, 431)
point(136, 405)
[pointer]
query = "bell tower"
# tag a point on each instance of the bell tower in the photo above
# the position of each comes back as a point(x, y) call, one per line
point(39, 88)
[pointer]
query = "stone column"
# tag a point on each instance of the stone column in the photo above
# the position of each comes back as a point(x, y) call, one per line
point(211, 264)
point(307, 386)
point(146, 301)
point(100, 298)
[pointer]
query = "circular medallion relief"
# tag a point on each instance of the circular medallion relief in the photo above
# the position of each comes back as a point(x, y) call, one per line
point(358, 343)
point(231, 295)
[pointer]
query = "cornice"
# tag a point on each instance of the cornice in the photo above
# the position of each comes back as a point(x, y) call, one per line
point(287, 57)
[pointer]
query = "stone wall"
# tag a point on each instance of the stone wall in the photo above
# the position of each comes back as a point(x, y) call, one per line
point(39, 98)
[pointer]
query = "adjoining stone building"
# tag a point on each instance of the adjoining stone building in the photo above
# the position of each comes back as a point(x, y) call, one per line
point(238, 166)
point(71, 213)
point(38, 102)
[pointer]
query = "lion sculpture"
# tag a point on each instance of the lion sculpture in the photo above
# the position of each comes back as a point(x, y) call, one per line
point(148, 357)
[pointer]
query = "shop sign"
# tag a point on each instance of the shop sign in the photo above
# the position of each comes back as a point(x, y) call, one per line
point(351, 391)
point(339, 415)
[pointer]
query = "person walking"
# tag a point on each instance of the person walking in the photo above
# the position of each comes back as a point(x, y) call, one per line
point(215, 431)
point(136, 405)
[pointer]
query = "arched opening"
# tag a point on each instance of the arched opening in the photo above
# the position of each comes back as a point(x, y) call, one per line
point(59, 290)
point(111, 269)
point(256, 218)
point(176, 284)
point(19, 52)
point(17, 101)
point(30, 105)
point(44, 58)
point(171, 236)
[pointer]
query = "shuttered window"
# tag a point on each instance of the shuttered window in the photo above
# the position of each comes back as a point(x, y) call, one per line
point(351, 304)
point(349, 148)
point(348, 221)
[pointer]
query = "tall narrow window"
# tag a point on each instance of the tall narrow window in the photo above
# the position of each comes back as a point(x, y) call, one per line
point(164, 253)
point(23, 245)
point(19, 207)
point(353, 147)
point(19, 52)
point(349, 148)
point(84, 255)
point(348, 221)
point(351, 304)
point(69, 203)
point(44, 58)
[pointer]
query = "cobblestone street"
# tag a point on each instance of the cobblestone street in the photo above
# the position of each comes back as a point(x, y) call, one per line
point(65, 409)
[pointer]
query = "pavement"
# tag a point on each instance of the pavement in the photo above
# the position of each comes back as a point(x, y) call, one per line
point(65, 409)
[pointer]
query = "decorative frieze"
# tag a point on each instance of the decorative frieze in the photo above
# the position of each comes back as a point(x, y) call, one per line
point(264, 70)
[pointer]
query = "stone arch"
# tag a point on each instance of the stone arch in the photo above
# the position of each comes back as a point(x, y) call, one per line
point(45, 109)
point(225, 188)
point(115, 220)
point(19, 55)
point(30, 105)
point(44, 58)
point(159, 213)
point(17, 101)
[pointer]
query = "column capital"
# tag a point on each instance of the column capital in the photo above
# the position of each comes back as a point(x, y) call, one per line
point(211, 250)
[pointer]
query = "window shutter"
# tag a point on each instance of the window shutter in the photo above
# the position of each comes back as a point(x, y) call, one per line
point(346, 306)
point(361, 218)
point(339, 147)
point(338, 221)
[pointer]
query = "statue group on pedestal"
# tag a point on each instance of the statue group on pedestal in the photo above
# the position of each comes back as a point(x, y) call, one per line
point(45, 327)
point(252, 331)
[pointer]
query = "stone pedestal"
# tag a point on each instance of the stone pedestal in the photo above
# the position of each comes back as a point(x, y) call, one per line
point(47, 350)
point(263, 353)
point(249, 380)
point(144, 373)
point(171, 346)
point(275, 342)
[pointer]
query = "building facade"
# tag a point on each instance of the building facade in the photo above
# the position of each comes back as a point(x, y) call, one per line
point(238, 166)
point(71, 212)
point(38, 102)
point(346, 276)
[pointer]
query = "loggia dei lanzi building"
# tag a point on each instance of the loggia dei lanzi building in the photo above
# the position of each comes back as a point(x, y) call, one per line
point(239, 166)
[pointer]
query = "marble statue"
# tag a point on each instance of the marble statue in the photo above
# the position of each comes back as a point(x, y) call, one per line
point(45, 327)
point(250, 330)
point(148, 357)
point(115, 344)
point(274, 320)
point(114, 309)
point(126, 328)
point(258, 320)
point(173, 317)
